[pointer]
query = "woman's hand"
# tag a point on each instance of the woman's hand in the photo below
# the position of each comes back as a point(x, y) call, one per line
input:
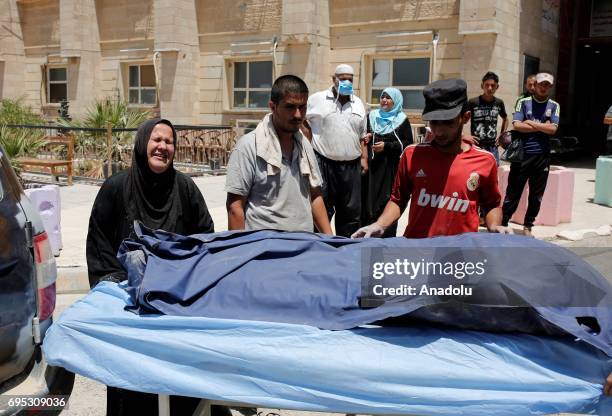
point(378, 147)
point(364, 165)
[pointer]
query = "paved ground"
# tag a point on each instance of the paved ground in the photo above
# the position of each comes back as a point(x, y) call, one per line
point(88, 397)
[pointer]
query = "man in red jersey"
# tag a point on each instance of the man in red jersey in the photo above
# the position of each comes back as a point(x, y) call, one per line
point(448, 179)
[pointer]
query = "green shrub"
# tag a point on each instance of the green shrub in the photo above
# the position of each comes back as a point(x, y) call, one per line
point(19, 142)
point(16, 112)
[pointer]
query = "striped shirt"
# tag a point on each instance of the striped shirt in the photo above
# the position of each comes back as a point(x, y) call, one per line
point(530, 108)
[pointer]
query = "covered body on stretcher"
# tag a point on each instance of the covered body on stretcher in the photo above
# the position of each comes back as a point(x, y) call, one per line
point(375, 370)
point(370, 369)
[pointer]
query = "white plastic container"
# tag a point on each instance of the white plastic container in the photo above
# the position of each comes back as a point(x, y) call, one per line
point(47, 200)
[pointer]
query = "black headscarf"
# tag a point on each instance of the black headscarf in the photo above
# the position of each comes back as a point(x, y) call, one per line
point(150, 197)
point(170, 201)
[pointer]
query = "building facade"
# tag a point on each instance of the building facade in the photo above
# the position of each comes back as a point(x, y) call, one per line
point(213, 62)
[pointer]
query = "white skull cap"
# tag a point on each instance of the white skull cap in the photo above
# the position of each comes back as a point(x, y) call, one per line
point(344, 69)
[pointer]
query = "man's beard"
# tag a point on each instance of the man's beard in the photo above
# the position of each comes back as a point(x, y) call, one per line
point(450, 143)
point(288, 128)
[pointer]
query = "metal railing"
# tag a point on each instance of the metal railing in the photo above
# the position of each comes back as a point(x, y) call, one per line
point(198, 148)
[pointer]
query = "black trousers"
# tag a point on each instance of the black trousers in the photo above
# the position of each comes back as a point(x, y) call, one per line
point(121, 402)
point(366, 217)
point(342, 193)
point(534, 168)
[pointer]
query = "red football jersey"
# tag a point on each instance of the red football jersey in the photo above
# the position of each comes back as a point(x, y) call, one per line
point(446, 189)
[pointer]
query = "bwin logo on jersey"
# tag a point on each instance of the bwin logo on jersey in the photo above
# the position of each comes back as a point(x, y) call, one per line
point(443, 201)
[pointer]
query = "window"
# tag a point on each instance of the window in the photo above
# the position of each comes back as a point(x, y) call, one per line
point(142, 85)
point(407, 75)
point(252, 84)
point(57, 85)
point(531, 66)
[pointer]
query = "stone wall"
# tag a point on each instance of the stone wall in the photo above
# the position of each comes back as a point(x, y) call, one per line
point(80, 47)
point(12, 53)
point(238, 16)
point(195, 43)
point(361, 31)
point(533, 40)
point(39, 23)
point(230, 32)
point(127, 33)
point(124, 20)
point(367, 11)
point(491, 43)
point(177, 57)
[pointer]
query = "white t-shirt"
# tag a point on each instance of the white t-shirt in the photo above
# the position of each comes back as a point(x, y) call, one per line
point(336, 128)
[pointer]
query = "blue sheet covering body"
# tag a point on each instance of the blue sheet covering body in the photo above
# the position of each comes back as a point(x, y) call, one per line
point(377, 370)
point(316, 280)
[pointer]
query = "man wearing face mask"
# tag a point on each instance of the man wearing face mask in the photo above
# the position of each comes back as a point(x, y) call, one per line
point(337, 120)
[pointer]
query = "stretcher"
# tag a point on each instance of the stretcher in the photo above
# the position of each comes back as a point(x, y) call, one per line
point(366, 370)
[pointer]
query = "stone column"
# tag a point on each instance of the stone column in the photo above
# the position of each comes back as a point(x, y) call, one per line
point(177, 58)
point(12, 57)
point(304, 43)
point(80, 48)
point(491, 42)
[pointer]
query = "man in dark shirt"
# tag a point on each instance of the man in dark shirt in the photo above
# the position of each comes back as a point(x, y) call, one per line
point(528, 90)
point(537, 119)
point(485, 109)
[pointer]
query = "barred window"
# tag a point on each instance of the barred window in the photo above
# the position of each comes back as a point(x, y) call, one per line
point(252, 82)
point(142, 89)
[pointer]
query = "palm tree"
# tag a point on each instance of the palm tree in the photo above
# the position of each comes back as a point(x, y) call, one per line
point(101, 112)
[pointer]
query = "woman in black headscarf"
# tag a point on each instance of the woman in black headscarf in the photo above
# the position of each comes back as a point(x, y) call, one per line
point(152, 192)
point(160, 197)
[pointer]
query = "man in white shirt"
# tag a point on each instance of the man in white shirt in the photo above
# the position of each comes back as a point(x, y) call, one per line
point(337, 120)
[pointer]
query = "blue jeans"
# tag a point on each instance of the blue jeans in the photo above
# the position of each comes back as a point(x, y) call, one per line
point(494, 151)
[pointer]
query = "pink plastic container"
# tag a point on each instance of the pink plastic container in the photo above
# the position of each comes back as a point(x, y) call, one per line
point(558, 198)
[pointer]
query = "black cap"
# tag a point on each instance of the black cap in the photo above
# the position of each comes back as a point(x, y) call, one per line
point(444, 99)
